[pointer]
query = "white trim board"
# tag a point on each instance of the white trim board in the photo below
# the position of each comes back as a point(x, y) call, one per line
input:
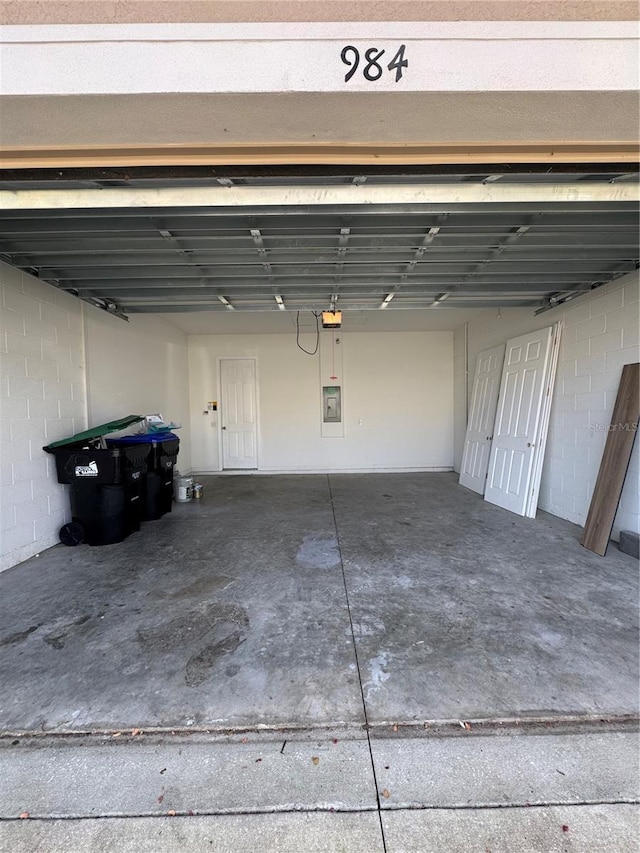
point(308, 195)
point(498, 56)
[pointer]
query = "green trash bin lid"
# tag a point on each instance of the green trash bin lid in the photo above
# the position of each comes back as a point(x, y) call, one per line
point(95, 432)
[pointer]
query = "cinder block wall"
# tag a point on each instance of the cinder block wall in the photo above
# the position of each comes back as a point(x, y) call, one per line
point(42, 398)
point(66, 365)
point(600, 336)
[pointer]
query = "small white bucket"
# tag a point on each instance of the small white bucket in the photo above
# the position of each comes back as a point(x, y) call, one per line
point(183, 489)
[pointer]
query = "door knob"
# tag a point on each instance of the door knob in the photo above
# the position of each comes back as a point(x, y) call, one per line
point(223, 427)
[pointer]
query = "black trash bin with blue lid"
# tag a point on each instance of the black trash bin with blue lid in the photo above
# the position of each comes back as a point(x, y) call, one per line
point(162, 455)
point(107, 484)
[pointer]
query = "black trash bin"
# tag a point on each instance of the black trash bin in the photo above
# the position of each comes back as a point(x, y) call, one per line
point(162, 455)
point(107, 484)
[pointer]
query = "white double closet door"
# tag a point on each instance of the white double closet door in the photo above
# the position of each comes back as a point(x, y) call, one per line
point(482, 415)
point(506, 434)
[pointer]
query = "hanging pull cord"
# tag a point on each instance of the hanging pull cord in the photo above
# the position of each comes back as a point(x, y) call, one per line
point(308, 352)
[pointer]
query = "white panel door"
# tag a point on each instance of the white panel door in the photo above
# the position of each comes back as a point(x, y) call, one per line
point(238, 410)
point(515, 431)
point(543, 428)
point(482, 415)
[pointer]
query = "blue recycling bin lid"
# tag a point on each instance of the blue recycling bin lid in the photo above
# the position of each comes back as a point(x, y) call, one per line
point(147, 438)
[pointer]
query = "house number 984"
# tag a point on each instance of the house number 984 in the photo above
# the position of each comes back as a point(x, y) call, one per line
point(372, 65)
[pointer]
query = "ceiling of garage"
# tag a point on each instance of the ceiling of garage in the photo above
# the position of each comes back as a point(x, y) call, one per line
point(356, 257)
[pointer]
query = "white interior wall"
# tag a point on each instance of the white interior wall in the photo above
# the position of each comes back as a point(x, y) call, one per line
point(397, 399)
point(42, 398)
point(137, 368)
point(600, 336)
point(65, 366)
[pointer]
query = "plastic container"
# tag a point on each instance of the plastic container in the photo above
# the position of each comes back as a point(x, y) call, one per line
point(162, 450)
point(97, 465)
point(107, 486)
point(183, 489)
point(107, 513)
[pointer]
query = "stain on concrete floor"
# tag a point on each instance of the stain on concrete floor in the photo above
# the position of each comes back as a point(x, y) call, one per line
point(200, 665)
point(319, 551)
point(203, 586)
point(216, 629)
point(17, 636)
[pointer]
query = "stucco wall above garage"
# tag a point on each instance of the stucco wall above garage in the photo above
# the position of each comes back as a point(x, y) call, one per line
point(196, 11)
point(534, 89)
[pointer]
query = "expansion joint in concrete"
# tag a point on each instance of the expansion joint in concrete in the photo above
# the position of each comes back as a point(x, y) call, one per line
point(366, 726)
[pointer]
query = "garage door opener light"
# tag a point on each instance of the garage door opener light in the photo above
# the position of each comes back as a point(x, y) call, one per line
point(331, 319)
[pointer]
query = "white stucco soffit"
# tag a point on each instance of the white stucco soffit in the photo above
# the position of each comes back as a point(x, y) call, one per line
point(351, 57)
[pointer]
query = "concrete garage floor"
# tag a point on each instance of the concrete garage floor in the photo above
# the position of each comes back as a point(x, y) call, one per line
point(357, 619)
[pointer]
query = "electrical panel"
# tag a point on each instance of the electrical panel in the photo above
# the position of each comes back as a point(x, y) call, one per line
point(331, 404)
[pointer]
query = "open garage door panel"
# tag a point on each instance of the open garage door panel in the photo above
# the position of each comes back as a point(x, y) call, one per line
point(275, 248)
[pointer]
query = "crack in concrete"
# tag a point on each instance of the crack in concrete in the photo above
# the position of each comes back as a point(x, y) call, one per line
point(297, 809)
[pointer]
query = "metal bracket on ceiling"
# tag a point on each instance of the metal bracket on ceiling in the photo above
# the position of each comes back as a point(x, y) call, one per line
point(560, 298)
point(439, 299)
point(557, 299)
point(105, 305)
point(256, 236)
point(226, 303)
point(387, 300)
